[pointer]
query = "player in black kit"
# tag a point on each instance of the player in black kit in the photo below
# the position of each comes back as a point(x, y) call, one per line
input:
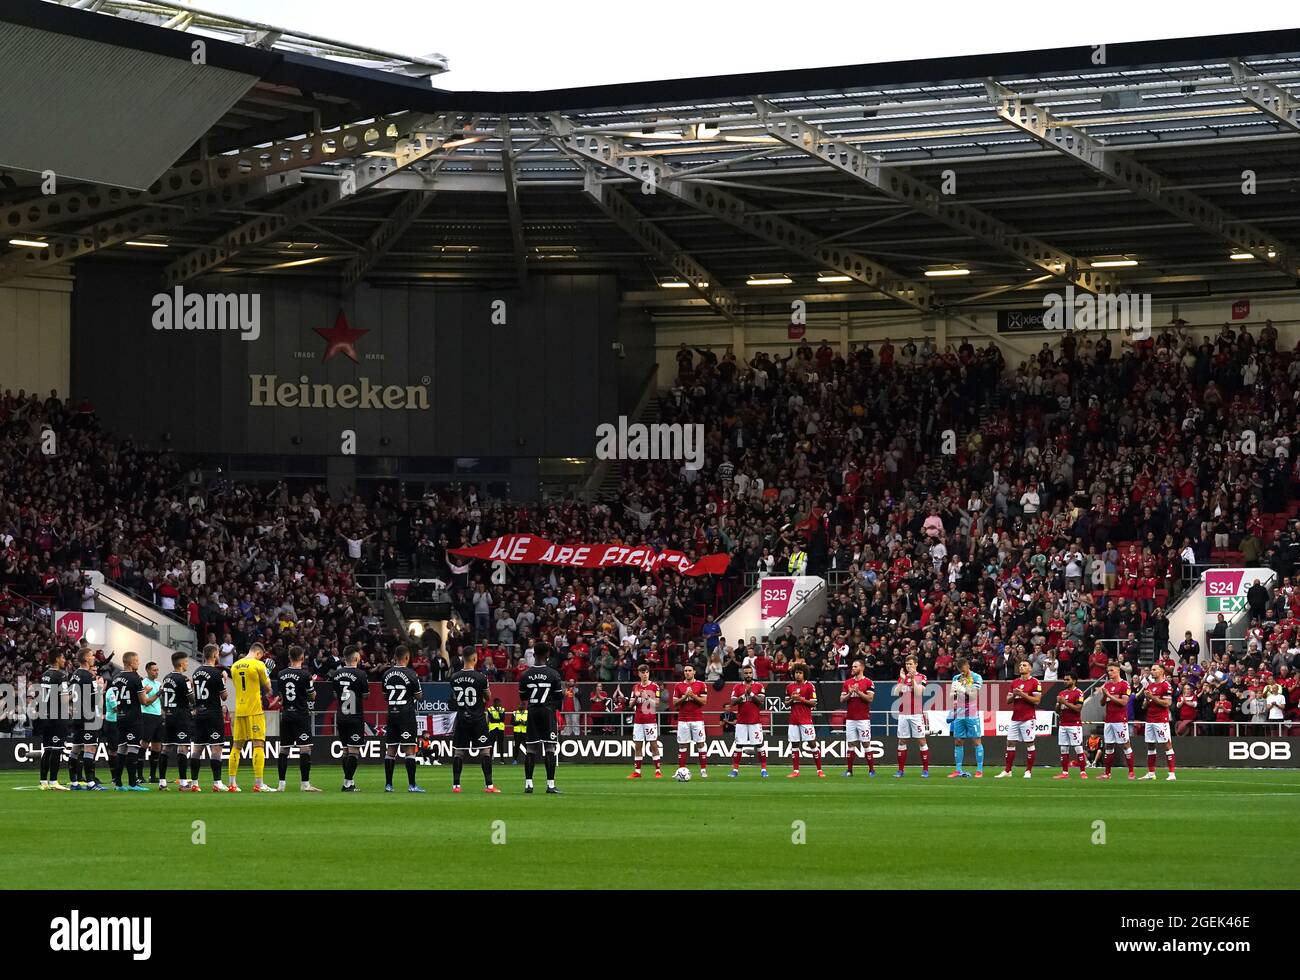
point(351, 685)
point(543, 690)
point(209, 726)
point(52, 717)
point(178, 725)
point(294, 687)
point(131, 698)
point(402, 689)
point(469, 734)
point(86, 723)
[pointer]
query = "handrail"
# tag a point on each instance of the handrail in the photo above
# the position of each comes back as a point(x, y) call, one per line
point(141, 599)
point(19, 595)
point(129, 612)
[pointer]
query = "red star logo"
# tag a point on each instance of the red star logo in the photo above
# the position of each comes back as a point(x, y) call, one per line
point(340, 338)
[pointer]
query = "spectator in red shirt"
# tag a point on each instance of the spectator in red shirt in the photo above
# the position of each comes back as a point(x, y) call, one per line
point(1097, 662)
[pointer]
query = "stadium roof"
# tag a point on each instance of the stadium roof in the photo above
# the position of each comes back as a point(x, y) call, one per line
point(945, 183)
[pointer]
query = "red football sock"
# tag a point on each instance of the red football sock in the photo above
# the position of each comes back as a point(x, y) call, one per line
point(681, 759)
point(871, 760)
point(1110, 759)
point(925, 760)
point(1030, 755)
point(1151, 761)
point(704, 761)
point(1170, 759)
point(817, 759)
point(1011, 758)
point(1065, 763)
point(902, 757)
point(762, 760)
point(638, 765)
point(795, 756)
point(1128, 758)
point(735, 760)
point(657, 765)
point(1082, 760)
point(850, 760)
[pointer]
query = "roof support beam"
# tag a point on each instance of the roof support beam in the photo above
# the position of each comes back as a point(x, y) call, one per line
point(1272, 99)
point(512, 206)
point(321, 196)
point(139, 223)
point(659, 177)
point(637, 227)
point(907, 190)
point(242, 166)
point(1128, 173)
point(410, 207)
point(656, 176)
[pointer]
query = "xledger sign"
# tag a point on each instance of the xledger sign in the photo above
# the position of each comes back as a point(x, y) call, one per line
point(1226, 588)
point(90, 626)
point(777, 597)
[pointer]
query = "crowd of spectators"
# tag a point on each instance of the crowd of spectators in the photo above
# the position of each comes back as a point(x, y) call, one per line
point(957, 506)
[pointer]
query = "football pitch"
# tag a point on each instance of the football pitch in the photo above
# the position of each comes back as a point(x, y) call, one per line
point(608, 832)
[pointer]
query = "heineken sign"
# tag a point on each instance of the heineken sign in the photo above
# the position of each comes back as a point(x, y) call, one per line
point(268, 391)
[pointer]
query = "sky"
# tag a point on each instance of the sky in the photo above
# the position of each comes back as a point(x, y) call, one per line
point(522, 44)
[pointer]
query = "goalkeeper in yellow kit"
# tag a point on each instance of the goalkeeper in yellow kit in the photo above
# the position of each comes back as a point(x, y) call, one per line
point(251, 683)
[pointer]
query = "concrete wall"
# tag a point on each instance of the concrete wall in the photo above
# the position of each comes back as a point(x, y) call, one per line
point(35, 328)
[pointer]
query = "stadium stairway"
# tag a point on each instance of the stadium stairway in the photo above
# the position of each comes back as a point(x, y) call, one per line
point(609, 478)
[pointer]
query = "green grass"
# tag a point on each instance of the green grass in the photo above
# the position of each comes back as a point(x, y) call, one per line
point(608, 832)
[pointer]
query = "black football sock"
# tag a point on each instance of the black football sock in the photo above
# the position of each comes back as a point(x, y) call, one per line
point(153, 766)
point(139, 769)
point(215, 762)
point(88, 769)
point(530, 763)
point(56, 757)
point(389, 765)
point(115, 764)
point(550, 767)
point(45, 765)
point(304, 768)
point(183, 764)
point(487, 771)
point(74, 768)
point(283, 764)
point(457, 764)
point(349, 767)
point(162, 767)
point(410, 769)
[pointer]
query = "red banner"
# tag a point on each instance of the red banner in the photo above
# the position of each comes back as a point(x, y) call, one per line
point(527, 549)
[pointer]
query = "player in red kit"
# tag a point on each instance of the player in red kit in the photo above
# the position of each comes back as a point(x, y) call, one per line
point(689, 697)
point(1025, 694)
point(910, 691)
point(856, 696)
point(645, 722)
point(1070, 728)
point(1159, 696)
point(749, 699)
point(1114, 695)
point(802, 696)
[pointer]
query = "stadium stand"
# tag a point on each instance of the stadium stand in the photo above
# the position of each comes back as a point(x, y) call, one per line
point(1056, 537)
